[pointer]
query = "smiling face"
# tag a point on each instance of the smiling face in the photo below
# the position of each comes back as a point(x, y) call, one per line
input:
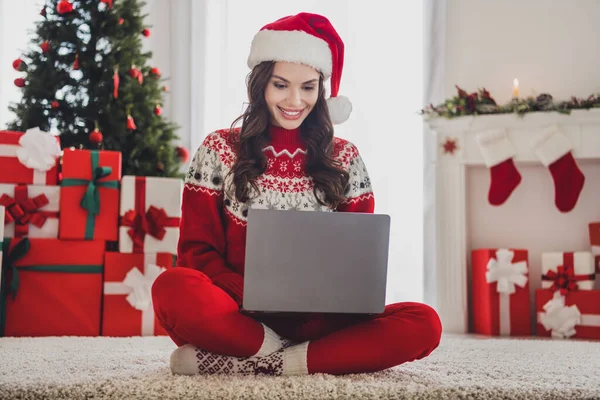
point(291, 93)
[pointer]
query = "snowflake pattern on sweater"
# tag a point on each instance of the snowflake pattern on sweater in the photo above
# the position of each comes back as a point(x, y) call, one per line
point(283, 186)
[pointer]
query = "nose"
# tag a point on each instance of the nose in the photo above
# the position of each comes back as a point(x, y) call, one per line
point(295, 99)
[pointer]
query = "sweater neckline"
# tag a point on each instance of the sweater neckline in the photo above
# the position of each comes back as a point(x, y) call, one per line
point(287, 138)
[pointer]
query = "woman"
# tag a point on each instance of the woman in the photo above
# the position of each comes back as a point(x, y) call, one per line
point(284, 157)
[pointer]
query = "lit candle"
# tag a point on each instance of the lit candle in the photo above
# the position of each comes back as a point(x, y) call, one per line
point(516, 88)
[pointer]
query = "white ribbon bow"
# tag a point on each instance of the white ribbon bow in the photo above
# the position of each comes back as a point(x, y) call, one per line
point(560, 319)
point(38, 150)
point(140, 297)
point(505, 272)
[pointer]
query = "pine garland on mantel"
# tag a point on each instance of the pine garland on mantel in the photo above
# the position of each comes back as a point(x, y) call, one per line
point(480, 103)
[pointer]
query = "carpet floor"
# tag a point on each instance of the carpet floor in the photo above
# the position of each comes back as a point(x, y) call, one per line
point(463, 367)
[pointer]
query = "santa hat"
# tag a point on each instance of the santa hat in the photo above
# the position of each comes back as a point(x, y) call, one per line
point(308, 39)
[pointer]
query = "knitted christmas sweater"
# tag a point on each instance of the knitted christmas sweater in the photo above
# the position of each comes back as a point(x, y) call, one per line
point(213, 224)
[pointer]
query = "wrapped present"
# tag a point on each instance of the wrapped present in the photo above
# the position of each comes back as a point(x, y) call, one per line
point(29, 158)
point(572, 315)
point(51, 287)
point(128, 279)
point(595, 243)
point(500, 292)
point(568, 271)
point(150, 214)
point(89, 200)
point(31, 210)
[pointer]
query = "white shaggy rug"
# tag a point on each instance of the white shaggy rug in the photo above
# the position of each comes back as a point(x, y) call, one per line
point(463, 367)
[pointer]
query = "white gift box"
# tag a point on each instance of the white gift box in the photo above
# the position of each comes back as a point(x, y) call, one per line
point(150, 212)
point(49, 212)
point(580, 263)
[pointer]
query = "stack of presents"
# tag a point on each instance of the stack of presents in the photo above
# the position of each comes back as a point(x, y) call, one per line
point(82, 245)
point(566, 305)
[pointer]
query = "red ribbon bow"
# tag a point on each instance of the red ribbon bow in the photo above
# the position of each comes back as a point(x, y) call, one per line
point(563, 279)
point(23, 210)
point(153, 223)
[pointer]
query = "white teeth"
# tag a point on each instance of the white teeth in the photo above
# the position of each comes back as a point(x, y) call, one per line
point(290, 113)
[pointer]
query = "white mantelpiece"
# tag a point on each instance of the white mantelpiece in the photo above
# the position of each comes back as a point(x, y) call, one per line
point(582, 127)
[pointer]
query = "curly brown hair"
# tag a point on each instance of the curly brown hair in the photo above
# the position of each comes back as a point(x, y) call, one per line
point(316, 131)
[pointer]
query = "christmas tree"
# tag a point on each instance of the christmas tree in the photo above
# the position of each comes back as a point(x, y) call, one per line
point(87, 77)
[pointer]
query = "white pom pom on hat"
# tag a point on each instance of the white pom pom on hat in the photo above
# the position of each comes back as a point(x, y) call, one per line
point(308, 39)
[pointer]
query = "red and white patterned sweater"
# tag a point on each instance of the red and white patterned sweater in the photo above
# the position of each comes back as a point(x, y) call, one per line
point(213, 223)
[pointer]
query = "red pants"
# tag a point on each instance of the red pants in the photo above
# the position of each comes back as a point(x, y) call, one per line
point(193, 310)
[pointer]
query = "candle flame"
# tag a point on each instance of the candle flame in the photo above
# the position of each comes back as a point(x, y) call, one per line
point(516, 82)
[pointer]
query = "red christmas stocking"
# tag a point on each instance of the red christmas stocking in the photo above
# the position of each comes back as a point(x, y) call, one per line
point(498, 153)
point(554, 151)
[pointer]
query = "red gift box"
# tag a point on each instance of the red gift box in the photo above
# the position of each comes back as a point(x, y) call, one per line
point(572, 315)
point(51, 287)
point(595, 243)
point(128, 279)
point(89, 198)
point(501, 292)
point(15, 171)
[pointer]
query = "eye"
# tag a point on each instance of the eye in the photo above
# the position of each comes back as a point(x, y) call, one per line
point(309, 88)
point(279, 85)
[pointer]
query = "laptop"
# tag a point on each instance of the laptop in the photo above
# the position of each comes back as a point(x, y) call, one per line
point(321, 262)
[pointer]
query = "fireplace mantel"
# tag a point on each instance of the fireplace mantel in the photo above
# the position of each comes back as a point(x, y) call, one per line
point(582, 128)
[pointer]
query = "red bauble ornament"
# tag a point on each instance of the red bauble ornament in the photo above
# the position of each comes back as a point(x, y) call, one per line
point(20, 82)
point(76, 62)
point(64, 7)
point(109, 3)
point(116, 81)
point(19, 65)
point(96, 137)
point(45, 46)
point(136, 73)
point(165, 88)
point(183, 154)
point(155, 71)
point(121, 21)
point(146, 32)
point(157, 110)
point(55, 104)
point(131, 123)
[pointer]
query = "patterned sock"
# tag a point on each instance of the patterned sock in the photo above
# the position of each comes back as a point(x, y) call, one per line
point(189, 360)
point(290, 360)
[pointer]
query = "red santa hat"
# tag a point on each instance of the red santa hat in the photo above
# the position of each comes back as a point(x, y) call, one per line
point(308, 39)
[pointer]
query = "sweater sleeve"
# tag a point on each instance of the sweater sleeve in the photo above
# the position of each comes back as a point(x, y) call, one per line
point(359, 195)
point(202, 241)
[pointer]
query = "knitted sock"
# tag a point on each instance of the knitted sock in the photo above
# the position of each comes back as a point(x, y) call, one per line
point(554, 151)
point(498, 153)
point(290, 360)
point(189, 360)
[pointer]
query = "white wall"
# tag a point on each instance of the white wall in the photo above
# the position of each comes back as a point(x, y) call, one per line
point(550, 46)
point(170, 42)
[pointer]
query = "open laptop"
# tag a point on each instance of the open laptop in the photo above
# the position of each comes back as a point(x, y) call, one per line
point(325, 262)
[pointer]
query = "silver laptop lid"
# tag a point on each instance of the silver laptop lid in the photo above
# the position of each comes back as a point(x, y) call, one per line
point(306, 261)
